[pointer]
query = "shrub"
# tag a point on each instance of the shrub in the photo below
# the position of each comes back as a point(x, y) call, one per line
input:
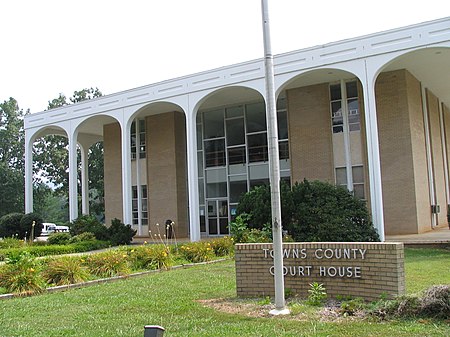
point(85, 236)
point(89, 223)
point(151, 257)
point(26, 224)
point(312, 211)
point(65, 270)
point(59, 239)
point(20, 275)
point(197, 251)
point(325, 212)
point(257, 203)
point(10, 226)
point(108, 264)
point(119, 233)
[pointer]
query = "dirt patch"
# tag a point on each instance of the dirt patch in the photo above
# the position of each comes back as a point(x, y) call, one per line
point(253, 308)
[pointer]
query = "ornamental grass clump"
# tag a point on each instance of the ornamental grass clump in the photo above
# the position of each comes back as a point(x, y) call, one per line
point(20, 275)
point(197, 251)
point(151, 257)
point(65, 270)
point(108, 264)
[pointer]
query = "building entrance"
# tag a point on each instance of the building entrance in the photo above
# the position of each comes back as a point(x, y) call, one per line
point(217, 221)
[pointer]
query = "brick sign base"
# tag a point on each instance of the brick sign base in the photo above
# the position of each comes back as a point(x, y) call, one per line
point(366, 270)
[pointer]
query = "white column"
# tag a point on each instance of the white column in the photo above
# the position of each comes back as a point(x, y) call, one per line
point(28, 173)
point(138, 174)
point(373, 154)
point(347, 149)
point(444, 152)
point(73, 168)
point(431, 183)
point(191, 141)
point(84, 179)
point(126, 173)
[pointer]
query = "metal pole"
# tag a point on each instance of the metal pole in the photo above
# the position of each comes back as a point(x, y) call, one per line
point(274, 167)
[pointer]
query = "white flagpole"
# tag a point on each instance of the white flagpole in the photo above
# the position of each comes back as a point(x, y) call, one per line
point(274, 167)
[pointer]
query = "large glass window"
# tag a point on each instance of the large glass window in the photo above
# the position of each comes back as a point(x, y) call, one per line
point(144, 205)
point(214, 152)
point(346, 124)
point(257, 147)
point(233, 155)
point(213, 124)
point(142, 143)
point(256, 117)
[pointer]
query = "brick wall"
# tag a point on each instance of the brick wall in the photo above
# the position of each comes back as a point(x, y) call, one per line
point(112, 172)
point(366, 270)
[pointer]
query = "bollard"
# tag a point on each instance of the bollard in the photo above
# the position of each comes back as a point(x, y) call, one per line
point(153, 331)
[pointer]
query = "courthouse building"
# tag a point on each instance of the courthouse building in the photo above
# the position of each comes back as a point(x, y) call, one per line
point(370, 113)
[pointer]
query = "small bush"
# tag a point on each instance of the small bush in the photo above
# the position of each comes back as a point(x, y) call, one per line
point(26, 224)
point(119, 233)
point(317, 294)
point(86, 236)
point(89, 223)
point(59, 239)
point(20, 275)
point(197, 251)
point(350, 307)
point(65, 270)
point(10, 226)
point(108, 264)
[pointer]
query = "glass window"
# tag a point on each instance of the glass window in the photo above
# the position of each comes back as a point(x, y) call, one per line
point(216, 190)
point(352, 89)
point(235, 111)
point(353, 115)
point(213, 124)
point(256, 117)
point(200, 163)
point(281, 103)
point(144, 205)
point(282, 124)
point(341, 176)
point(358, 174)
point(257, 147)
point(283, 149)
point(358, 191)
point(235, 132)
point(199, 137)
point(335, 92)
point(202, 219)
point(201, 191)
point(214, 152)
point(237, 188)
point(236, 155)
point(142, 143)
point(336, 116)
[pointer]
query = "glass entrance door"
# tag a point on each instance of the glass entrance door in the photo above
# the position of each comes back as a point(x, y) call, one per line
point(217, 221)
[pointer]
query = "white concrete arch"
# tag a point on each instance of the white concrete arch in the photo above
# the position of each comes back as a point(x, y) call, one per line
point(31, 135)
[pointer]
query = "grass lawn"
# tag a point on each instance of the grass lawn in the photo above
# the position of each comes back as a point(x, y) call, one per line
point(171, 299)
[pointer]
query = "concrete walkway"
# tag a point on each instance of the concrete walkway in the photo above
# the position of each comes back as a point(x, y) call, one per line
point(440, 236)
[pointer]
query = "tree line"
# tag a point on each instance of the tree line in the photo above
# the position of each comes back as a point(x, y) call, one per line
point(50, 164)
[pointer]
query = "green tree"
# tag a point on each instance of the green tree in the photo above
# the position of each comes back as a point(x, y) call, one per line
point(12, 139)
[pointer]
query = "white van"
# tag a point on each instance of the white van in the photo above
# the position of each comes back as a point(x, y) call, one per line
point(48, 228)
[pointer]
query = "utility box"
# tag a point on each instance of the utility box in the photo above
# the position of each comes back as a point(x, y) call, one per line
point(153, 331)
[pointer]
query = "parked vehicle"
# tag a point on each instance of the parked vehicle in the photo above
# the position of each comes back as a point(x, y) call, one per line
point(50, 228)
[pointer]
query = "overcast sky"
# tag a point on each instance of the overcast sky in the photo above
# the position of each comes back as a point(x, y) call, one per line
point(58, 46)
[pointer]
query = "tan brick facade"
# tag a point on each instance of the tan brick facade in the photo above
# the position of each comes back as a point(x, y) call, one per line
point(166, 167)
point(311, 148)
point(366, 270)
point(112, 172)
